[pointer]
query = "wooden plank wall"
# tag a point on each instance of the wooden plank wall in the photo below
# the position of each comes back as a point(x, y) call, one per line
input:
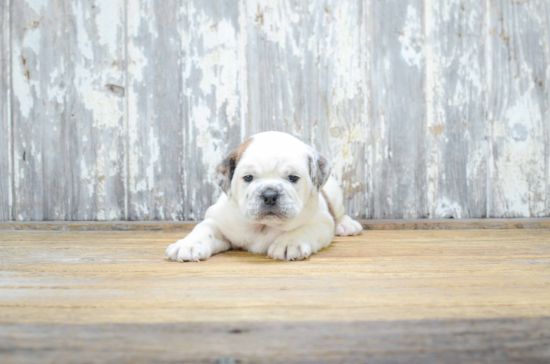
point(6, 194)
point(120, 109)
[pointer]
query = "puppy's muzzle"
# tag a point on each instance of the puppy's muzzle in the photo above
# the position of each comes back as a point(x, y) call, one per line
point(270, 197)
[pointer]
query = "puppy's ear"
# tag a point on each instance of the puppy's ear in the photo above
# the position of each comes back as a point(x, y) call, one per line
point(225, 171)
point(319, 169)
point(226, 168)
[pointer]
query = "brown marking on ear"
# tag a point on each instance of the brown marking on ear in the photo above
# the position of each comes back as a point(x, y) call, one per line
point(241, 148)
point(330, 208)
point(227, 166)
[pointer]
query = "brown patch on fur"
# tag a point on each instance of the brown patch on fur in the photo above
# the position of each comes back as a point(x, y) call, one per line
point(330, 209)
point(229, 163)
point(240, 150)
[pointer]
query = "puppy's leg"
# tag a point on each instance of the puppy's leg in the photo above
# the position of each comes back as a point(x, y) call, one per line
point(345, 225)
point(204, 241)
point(301, 242)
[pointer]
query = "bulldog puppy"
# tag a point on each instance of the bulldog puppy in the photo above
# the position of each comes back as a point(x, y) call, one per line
point(279, 199)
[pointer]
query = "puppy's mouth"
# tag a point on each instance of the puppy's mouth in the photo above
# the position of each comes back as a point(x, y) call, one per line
point(271, 214)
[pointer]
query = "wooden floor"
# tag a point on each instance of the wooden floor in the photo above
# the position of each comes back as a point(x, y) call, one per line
point(382, 297)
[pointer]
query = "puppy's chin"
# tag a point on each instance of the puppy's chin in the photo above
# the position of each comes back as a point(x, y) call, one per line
point(271, 218)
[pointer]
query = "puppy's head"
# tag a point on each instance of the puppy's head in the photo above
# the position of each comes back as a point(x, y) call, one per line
point(272, 176)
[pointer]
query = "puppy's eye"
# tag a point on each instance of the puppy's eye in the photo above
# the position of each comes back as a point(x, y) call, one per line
point(248, 178)
point(292, 178)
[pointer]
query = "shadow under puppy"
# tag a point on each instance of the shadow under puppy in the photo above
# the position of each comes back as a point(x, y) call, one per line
point(279, 199)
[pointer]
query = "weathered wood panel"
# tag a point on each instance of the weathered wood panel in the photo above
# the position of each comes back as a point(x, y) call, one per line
point(40, 76)
point(426, 108)
point(155, 114)
point(456, 132)
point(214, 81)
point(67, 65)
point(6, 193)
point(517, 109)
point(398, 131)
point(307, 77)
point(96, 99)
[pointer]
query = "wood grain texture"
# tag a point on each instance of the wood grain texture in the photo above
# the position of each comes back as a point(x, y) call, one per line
point(517, 108)
point(307, 76)
point(67, 67)
point(95, 125)
point(40, 85)
point(509, 340)
point(457, 133)
point(155, 110)
point(425, 108)
point(92, 277)
point(472, 295)
point(398, 132)
point(214, 84)
point(6, 178)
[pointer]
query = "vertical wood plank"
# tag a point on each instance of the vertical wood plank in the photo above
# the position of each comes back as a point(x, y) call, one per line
point(398, 135)
point(547, 119)
point(40, 86)
point(275, 52)
point(155, 124)
point(517, 108)
point(67, 71)
point(456, 127)
point(95, 125)
point(5, 119)
point(307, 77)
point(213, 79)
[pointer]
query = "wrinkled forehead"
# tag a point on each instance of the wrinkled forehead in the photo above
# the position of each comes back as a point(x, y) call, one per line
point(268, 155)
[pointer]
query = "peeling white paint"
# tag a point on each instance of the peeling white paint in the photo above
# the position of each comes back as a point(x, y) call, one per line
point(272, 17)
point(412, 43)
point(154, 152)
point(37, 5)
point(319, 86)
point(342, 143)
point(22, 88)
point(108, 24)
point(448, 209)
point(209, 146)
point(83, 38)
point(520, 164)
point(218, 63)
point(24, 84)
point(242, 75)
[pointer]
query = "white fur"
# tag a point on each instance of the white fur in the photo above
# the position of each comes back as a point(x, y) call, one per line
point(303, 224)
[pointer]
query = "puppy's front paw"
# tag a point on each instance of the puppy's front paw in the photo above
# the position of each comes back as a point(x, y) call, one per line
point(347, 227)
point(187, 250)
point(289, 250)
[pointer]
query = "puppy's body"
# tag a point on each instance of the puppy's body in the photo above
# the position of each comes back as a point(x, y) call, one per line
point(279, 199)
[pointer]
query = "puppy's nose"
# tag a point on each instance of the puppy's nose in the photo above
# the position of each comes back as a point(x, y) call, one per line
point(270, 197)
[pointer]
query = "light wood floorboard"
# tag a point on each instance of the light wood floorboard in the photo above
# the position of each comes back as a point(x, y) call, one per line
point(390, 296)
